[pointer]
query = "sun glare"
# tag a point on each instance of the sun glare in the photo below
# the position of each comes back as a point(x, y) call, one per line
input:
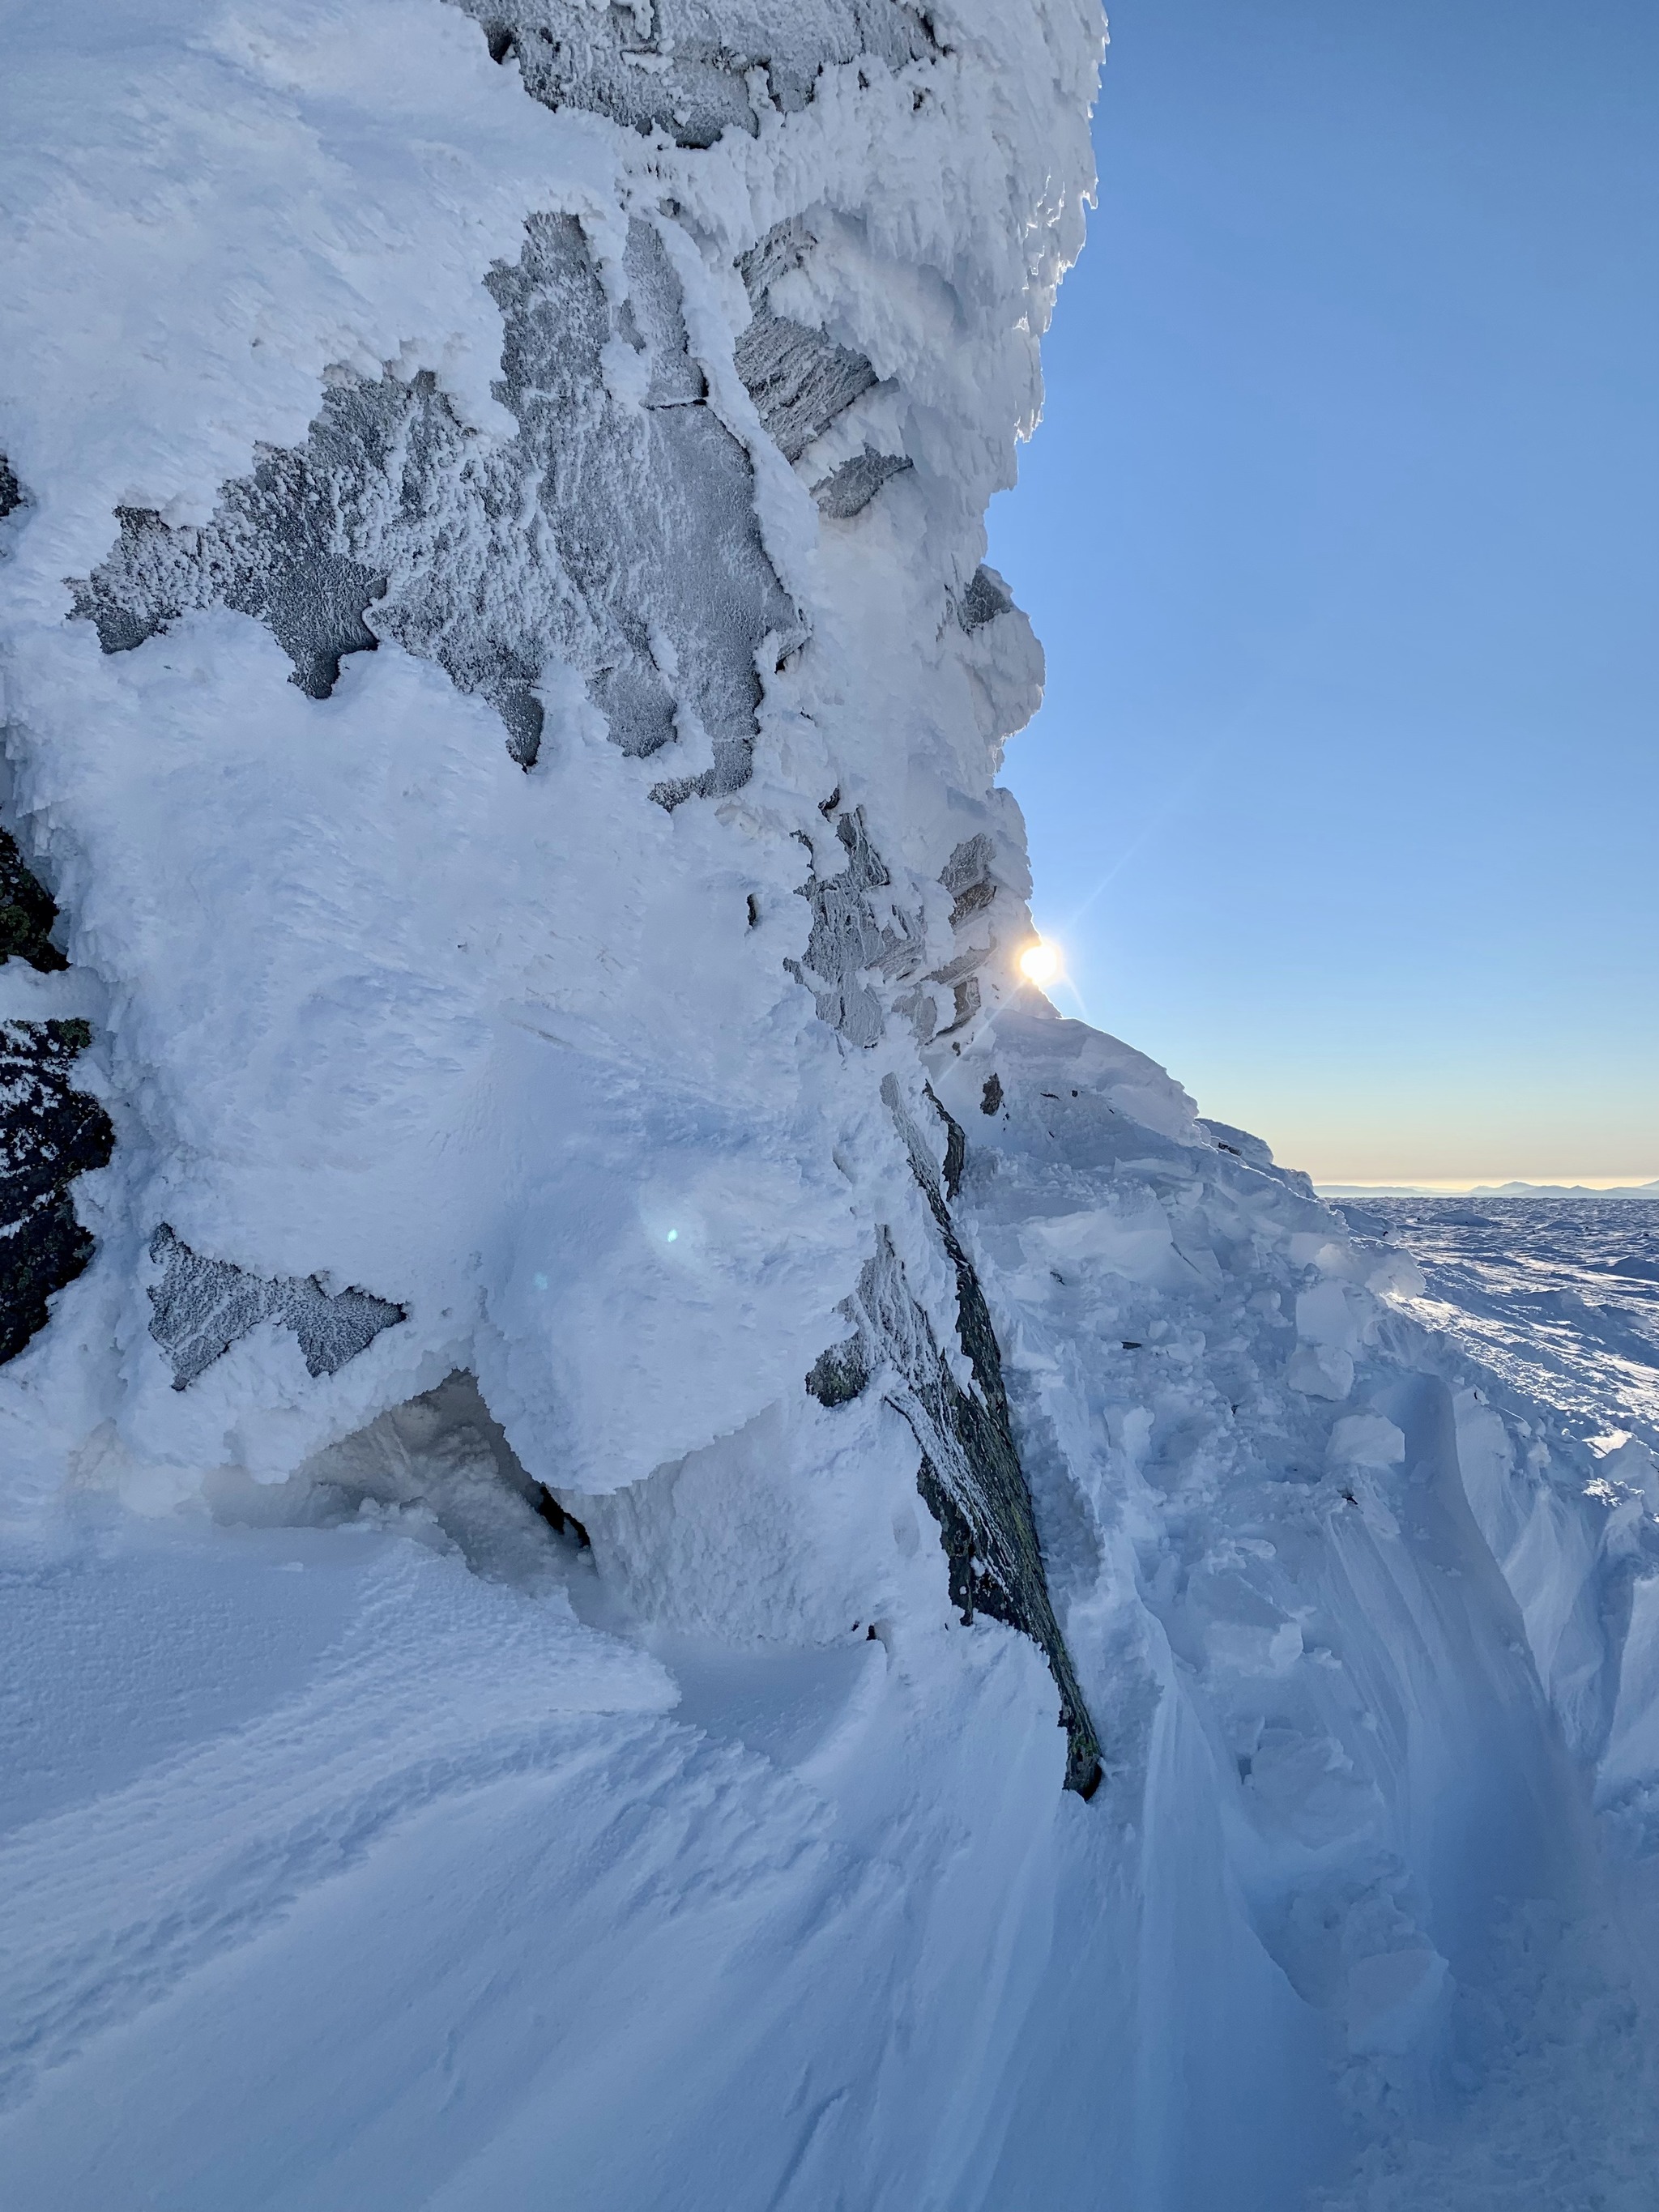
point(1040, 963)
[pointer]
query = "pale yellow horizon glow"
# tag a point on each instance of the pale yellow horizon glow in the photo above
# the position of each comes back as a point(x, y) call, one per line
point(1458, 1186)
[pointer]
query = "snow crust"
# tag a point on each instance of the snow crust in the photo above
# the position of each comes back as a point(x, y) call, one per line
point(373, 1840)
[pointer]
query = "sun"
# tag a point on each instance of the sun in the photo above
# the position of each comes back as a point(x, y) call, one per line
point(1040, 963)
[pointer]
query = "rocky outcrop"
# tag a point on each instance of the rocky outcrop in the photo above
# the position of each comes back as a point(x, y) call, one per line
point(50, 1133)
point(687, 68)
point(201, 1306)
point(617, 534)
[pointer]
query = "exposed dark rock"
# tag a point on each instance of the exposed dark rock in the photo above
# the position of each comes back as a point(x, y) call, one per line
point(561, 1523)
point(201, 1306)
point(49, 1132)
point(683, 66)
point(27, 913)
point(970, 1476)
point(601, 523)
point(991, 1097)
point(985, 597)
point(11, 492)
point(956, 1147)
point(840, 1375)
point(851, 486)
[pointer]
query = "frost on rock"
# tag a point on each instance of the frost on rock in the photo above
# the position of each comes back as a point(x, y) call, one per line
point(854, 932)
point(800, 379)
point(616, 536)
point(201, 1306)
point(985, 597)
point(848, 491)
point(684, 67)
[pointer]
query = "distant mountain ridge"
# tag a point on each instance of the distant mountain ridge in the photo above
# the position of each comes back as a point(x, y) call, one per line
point(1647, 1190)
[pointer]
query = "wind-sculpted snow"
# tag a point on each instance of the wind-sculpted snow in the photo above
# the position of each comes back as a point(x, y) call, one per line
point(660, 1148)
point(1558, 1296)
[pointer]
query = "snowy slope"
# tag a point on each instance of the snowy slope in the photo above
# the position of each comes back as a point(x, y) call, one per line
point(667, 1546)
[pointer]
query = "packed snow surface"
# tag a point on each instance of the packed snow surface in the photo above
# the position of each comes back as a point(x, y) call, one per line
point(661, 1545)
point(1558, 1295)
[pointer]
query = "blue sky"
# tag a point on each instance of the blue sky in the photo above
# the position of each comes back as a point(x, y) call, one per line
point(1341, 532)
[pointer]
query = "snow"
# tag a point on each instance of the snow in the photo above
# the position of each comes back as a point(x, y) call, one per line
point(538, 1754)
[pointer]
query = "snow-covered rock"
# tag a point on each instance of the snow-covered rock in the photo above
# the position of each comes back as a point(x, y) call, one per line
point(666, 1545)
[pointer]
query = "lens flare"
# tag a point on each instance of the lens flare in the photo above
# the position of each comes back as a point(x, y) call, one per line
point(1040, 963)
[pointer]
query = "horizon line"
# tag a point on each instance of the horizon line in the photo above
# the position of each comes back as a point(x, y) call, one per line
point(1461, 1186)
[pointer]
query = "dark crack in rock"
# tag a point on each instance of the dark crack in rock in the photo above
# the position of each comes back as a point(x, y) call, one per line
point(970, 1476)
point(854, 932)
point(684, 67)
point(850, 489)
point(27, 912)
point(799, 380)
point(201, 1306)
point(606, 524)
point(985, 597)
point(49, 1132)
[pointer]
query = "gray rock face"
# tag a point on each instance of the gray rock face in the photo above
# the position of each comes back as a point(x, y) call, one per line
point(849, 937)
point(799, 380)
point(683, 66)
point(850, 489)
point(600, 522)
point(201, 1306)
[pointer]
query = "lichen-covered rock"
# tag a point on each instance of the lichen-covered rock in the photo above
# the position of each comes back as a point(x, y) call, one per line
point(28, 912)
point(49, 1132)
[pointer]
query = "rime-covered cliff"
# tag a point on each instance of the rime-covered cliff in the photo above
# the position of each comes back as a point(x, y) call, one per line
point(665, 1545)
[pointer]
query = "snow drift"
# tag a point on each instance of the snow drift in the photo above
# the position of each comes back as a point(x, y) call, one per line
point(664, 1544)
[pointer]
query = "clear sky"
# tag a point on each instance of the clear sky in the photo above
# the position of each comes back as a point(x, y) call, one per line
point(1341, 532)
